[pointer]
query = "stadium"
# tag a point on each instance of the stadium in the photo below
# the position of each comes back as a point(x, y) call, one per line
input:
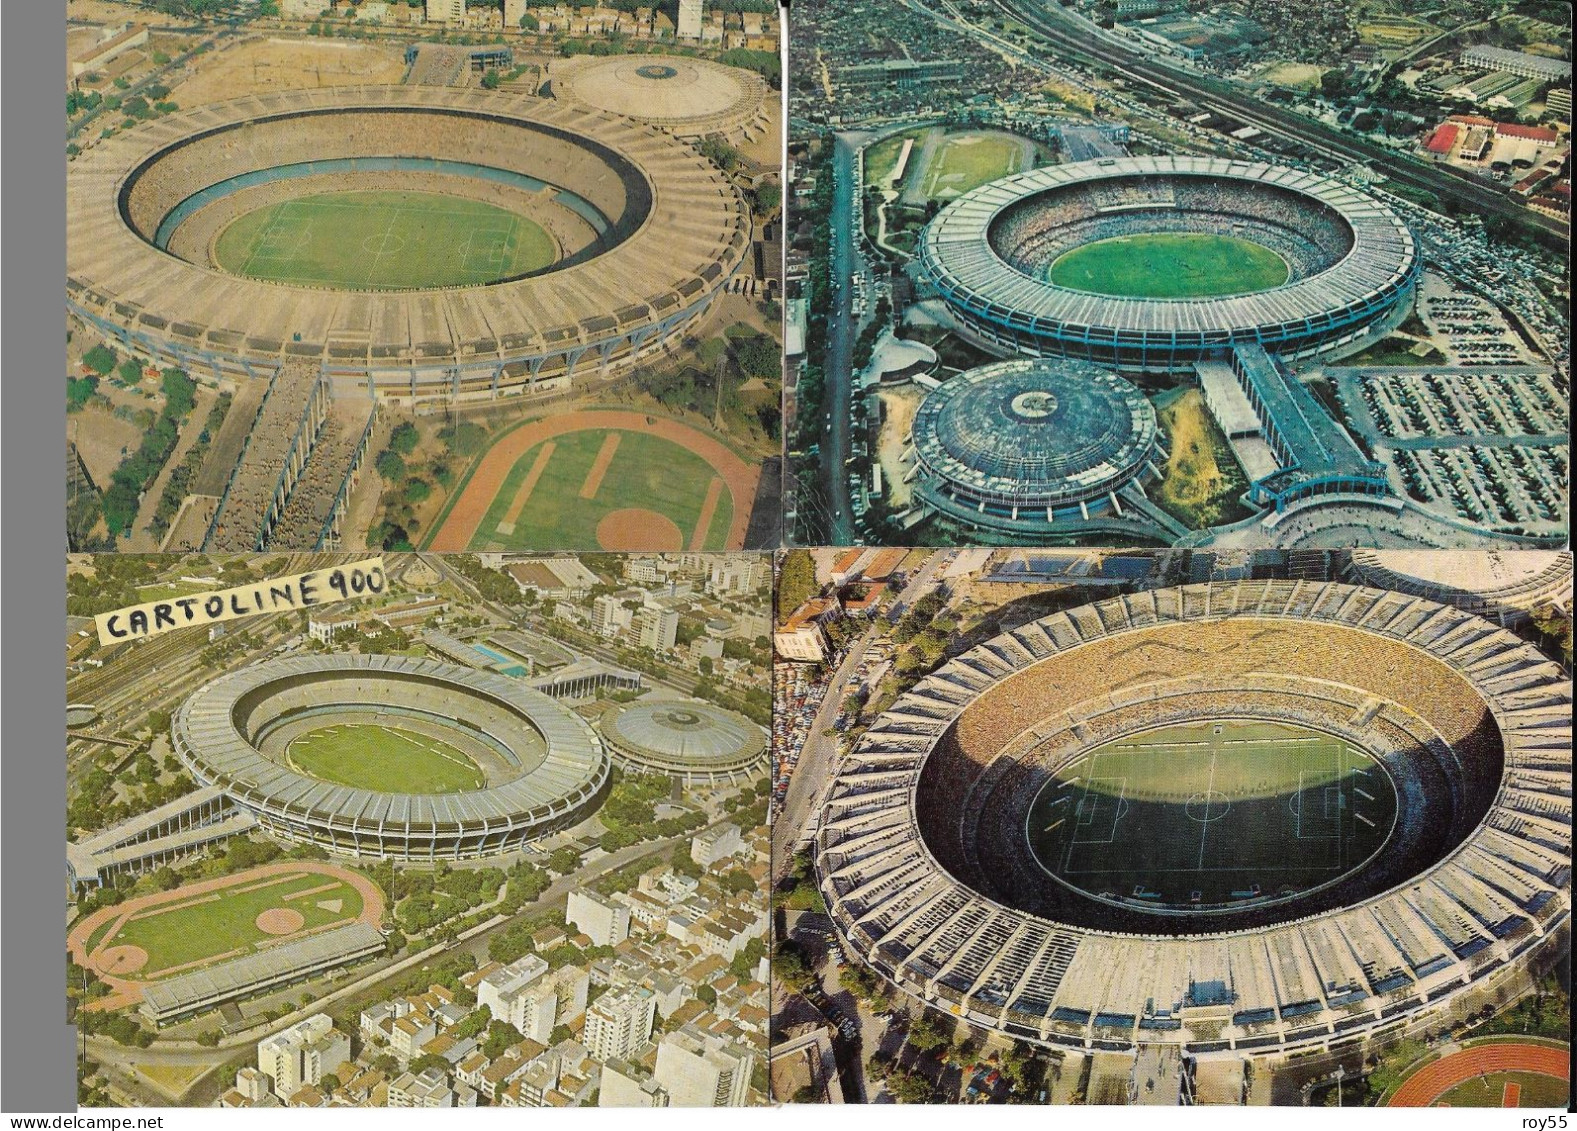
point(391, 757)
point(1032, 449)
point(1247, 817)
point(689, 98)
point(1154, 263)
point(420, 241)
point(701, 745)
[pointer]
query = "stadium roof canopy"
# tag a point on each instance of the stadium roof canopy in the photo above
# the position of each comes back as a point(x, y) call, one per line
point(207, 733)
point(958, 255)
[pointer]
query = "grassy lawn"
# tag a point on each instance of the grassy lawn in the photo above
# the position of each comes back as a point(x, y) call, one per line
point(882, 158)
point(1216, 808)
point(1397, 351)
point(647, 472)
point(967, 161)
point(1169, 265)
point(223, 921)
point(385, 759)
point(1202, 481)
point(1533, 1090)
point(383, 241)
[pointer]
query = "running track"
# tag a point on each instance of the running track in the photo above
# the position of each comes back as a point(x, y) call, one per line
point(465, 516)
point(1435, 1079)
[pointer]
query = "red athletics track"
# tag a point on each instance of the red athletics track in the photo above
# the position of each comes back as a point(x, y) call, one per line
point(1435, 1079)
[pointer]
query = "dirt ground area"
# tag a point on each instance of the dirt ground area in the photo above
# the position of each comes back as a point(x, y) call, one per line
point(109, 12)
point(898, 408)
point(102, 438)
point(287, 64)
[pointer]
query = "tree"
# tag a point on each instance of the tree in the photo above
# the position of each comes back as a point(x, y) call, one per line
point(101, 359)
point(796, 581)
point(404, 438)
point(924, 1035)
point(1333, 83)
point(390, 466)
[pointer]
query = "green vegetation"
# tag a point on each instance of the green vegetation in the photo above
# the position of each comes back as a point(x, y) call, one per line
point(796, 582)
point(1166, 265)
point(1395, 351)
point(179, 483)
point(383, 240)
point(225, 921)
point(79, 391)
point(1202, 482)
point(101, 359)
point(139, 469)
point(969, 160)
point(385, 759)
point(1212, 811)
point(646, 472)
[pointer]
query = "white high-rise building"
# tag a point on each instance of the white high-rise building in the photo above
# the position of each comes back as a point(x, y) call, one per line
point(690, 13)
point(606, 923)
point(618, 1023)
point(701, 1070)
point(523, 995)
point(609, 617)
point(624, 1086)
point(656, 628)
point(444, 11)
point(302, 1054)
point(714, 844)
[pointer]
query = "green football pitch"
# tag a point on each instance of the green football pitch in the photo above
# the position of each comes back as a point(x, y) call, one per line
point(1169, 265)
point(384, 759)
point(1218, 812)
point(220, 922)
point(646, 473)
point(385, 240)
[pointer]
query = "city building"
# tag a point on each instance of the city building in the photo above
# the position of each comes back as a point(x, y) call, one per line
point(618, 1022)
point(523, 995)
point(656, 629)
point(444, 11)
point(604, 922)
point(690, 16)
point(624, 1085)
point(301, 1054)
point(1517, 63)
point(717, 843)
point(699, 1069)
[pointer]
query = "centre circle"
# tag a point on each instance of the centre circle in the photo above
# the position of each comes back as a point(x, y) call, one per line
point(1211, 814)
point(1037, 404)
point(656, 71)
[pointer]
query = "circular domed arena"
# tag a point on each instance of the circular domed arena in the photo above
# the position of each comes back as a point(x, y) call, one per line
point(689, 98)
point(1029, 449)
point(391, 757)
point(1257, 816)
point(434, 241)
point(696, 742)
point(1150, 264)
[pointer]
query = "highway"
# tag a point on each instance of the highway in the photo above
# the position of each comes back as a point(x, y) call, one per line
point(818, 758)
point(1077, 38)
point(840, 344)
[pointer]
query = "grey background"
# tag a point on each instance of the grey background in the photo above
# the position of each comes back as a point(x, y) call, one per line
point(38, 1048)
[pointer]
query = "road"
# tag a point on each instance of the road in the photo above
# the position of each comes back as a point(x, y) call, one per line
point(845, 261)
point(816, 761)
point(365, 990)
point(152, 77)
point(1077, 38)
